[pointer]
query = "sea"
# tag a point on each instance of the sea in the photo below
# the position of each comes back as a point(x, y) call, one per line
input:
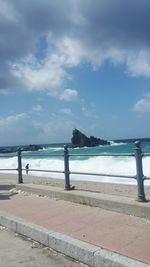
point(83, 160)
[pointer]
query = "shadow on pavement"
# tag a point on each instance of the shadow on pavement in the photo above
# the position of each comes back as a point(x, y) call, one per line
point(5, 193)
point(4, 196)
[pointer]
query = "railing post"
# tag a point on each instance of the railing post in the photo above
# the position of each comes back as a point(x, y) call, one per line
point(66, 166)
point(20, 180)
point(139, 172)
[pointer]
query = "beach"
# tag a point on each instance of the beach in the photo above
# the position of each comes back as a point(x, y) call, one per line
point(95, 160)
point(99, 187)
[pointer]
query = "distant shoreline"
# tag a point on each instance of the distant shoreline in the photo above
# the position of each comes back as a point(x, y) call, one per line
point(130, 140)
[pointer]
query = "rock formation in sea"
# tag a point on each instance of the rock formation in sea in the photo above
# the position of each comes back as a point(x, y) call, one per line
point(12, 149)
point(80, 140)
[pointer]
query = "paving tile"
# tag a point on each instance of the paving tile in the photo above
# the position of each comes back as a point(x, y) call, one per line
point(139, 247)
point(127, 235)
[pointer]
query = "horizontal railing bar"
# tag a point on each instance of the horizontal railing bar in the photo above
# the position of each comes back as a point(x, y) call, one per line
point(9, 169)
point(38, 170)
point(146, 178)
point(43, 155)
point(103, 155)
point(82, 173)
point(8, 156)
point(74, 155)
point(104, 174)
point(146, 154)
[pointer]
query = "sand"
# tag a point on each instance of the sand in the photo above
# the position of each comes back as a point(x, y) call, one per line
point(106, 188)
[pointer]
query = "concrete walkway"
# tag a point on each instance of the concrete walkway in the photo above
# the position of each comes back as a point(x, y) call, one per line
point(122, 204)
point(18, 251)
point(103, 231)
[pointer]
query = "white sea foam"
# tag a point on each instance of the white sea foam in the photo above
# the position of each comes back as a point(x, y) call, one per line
point(104, 165)
point(43, 149)
point(112, 143)
point(56, 149)
point(50, 149)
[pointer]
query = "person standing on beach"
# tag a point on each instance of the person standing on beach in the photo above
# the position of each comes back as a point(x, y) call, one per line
point(27, 168)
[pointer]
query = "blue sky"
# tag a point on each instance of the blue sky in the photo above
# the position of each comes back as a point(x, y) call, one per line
point(74, 64)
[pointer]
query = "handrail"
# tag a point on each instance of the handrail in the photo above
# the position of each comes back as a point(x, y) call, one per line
point(8, 156)
point(104, 174)
point(9, 169)
point(39, 170)
point(103, 155)
point(146, 154)
point(44, 155)
point(140, 178)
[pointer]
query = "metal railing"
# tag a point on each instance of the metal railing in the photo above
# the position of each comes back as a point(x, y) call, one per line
point(139, 177)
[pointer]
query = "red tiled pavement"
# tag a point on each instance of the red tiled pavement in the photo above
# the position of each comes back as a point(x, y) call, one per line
point(125, 234)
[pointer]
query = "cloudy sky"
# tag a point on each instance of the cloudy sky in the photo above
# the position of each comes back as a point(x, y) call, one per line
point(74, 64)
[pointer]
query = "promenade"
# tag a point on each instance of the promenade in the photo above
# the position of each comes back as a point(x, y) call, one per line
point(91, 234)
point(18, 251)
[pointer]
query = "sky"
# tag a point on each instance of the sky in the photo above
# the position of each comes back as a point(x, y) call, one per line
point(74, 64)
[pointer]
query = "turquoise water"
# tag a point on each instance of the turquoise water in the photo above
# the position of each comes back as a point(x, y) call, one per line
point(51, 158)
point(115, 147)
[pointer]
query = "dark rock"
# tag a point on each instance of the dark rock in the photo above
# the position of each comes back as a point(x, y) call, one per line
point(31, 148)
point(13, 149)
point(80, 140)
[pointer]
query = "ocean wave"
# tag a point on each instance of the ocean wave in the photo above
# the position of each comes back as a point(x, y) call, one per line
point(112, 143)
point(103, 165)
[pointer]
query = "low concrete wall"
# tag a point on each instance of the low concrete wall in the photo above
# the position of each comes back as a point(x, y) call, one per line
point(83, 252)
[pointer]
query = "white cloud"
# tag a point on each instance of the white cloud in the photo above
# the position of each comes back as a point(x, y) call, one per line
point(74, 33)
point(15, 129)
point(12, 120)
point(66, 111)
point(69, 95)
point(46, 75)
point(50, 73)
point(143, 105)
point(8, 12)
point(72, 51)
point(27, 129)
point(88, 110)
point(37, 108)
point(57, 128)
point(138, 63)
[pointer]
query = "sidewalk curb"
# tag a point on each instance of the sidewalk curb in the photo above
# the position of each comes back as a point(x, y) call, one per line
point(89, 254)
point(109, 202)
